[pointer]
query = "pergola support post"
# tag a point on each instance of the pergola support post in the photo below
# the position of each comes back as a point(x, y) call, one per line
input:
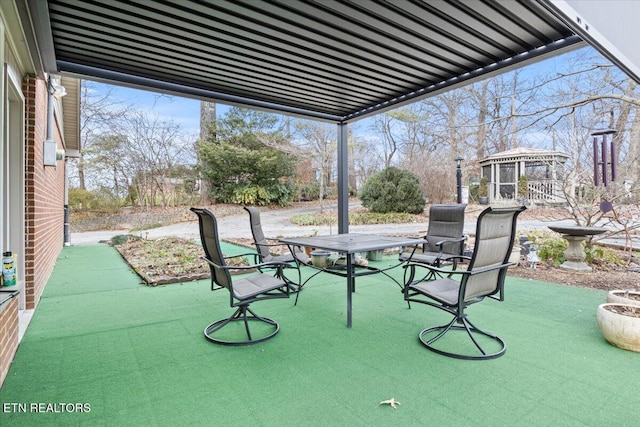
point(343, 179)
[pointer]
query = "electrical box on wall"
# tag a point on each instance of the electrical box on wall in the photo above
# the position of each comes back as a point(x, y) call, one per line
point(50, 148)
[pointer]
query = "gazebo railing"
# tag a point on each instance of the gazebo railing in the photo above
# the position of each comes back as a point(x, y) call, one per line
point(545, 191)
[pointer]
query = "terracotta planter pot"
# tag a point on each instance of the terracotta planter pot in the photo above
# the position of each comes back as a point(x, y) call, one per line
point(620, 329)
point(624, 297)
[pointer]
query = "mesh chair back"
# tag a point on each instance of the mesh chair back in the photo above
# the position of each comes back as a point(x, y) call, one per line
point(211, 245)
point(445, 222)
point(495, 235)
point(258, 235)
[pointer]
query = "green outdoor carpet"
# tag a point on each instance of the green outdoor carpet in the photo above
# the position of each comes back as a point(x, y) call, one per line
point(135, 355)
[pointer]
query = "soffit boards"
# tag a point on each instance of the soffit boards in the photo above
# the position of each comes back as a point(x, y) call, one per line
point(326, 59)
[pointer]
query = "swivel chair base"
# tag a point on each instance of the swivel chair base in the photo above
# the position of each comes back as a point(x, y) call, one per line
point(240, 315)
point(470, 329)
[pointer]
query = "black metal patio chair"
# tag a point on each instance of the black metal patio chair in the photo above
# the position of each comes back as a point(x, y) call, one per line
point(243, 290)
point(444, 239)
point(456, 289)
point(263, 246)
point(262, 243)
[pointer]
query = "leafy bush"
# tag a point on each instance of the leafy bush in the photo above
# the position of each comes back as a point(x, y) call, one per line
point(474, 190)
point(240, 166)
point(309, 192)
point(551, 249)
point(281, 194)
point(523, 187)
point(550, 246)
point(483, 189)
point(600, 254)
point(393, 190)
point(122, 239)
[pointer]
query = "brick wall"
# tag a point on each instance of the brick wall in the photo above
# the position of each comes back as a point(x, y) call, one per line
point(8, 336)
point(44, 194)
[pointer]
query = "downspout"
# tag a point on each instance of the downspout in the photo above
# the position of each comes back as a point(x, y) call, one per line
point(50, 157)
point(67, 226)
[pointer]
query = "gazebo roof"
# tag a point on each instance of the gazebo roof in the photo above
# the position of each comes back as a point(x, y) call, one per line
point(524, 153)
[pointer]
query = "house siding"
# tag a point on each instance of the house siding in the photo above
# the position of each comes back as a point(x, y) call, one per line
point(8, 335)
point(44, 195)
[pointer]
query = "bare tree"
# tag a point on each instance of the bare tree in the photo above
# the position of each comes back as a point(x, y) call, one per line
point(207, 124)
point(320, 139)
point(153, 149)
point(385, 126)
point(100, 113)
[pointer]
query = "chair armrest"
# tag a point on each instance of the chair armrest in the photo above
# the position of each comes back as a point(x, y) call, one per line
point(458, 257)
point(239, 255)
point(462, 272)
point(442, 242)
point(245, 267)
point(495, 267)
point(270, 244)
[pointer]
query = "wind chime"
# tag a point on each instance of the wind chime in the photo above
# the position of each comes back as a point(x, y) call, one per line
point(604, 162)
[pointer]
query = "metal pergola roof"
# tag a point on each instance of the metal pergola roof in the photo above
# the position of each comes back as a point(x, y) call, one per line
point(332, 60)
point(335, 60)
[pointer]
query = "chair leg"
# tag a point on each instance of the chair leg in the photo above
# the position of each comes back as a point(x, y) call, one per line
point(303, 284)
point(470, 329)
point(240, 314)
point(405, 292)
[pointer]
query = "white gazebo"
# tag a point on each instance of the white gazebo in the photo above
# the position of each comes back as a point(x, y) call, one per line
point(544, 170)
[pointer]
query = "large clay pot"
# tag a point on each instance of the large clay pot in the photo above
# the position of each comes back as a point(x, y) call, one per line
point(621, 329)
point(624, 297)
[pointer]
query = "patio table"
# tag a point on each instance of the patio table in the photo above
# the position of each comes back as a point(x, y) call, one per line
point(350, 244)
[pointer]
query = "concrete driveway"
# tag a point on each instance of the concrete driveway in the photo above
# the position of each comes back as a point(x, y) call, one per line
point(275, 223)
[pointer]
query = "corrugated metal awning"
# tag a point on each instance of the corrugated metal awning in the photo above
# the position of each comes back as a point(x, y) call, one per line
point(335, 60)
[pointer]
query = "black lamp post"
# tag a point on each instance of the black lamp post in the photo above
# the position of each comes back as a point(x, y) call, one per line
point(459, 177)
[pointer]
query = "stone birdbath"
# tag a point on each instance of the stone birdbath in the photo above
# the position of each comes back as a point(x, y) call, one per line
point(574, 254)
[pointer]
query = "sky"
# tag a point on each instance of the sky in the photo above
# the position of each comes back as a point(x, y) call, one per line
point(182, 111)
point(186, 111)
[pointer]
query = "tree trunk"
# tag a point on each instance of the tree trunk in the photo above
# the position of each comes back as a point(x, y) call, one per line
point(482, 118)
point(81, 178)
point(207, 117)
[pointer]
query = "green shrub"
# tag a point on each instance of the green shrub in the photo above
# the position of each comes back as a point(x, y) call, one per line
point(310, 192)
point(600, 254)
point(483, 188)
point(474, 190)
point(121, 239)
point(551, 247)
point(278, 193)
point(523, 187)
point(393, 190)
